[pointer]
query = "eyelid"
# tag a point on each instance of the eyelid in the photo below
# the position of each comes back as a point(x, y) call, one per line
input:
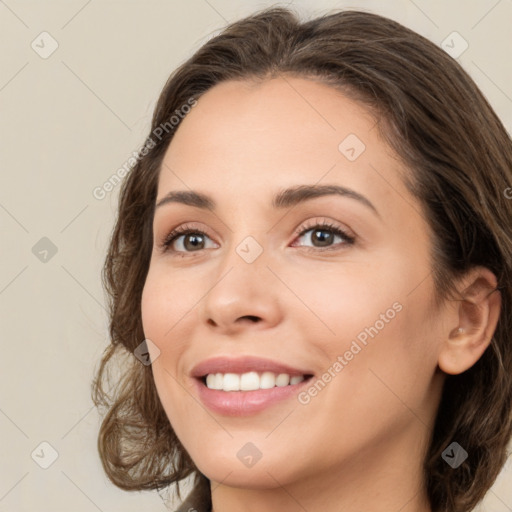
point(324, 222)
point(172, 235)
point(305, 226)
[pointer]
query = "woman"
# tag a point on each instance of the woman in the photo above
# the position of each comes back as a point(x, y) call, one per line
point(314, 251)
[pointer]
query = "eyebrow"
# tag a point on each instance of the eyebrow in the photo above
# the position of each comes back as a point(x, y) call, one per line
point(283, 199)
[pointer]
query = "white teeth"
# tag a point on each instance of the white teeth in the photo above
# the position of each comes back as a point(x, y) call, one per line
point(231, 382)
point(210, 381)
point(296, 379)
point(250, 381)
point(267, 380)
point(219, 379)
point(283, 379)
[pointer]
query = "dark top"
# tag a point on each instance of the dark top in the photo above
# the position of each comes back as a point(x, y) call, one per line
point(198, 500)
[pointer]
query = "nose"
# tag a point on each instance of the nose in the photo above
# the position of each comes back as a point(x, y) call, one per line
point(242, 296)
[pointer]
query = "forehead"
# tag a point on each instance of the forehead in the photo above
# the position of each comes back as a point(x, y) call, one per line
point(258, 137)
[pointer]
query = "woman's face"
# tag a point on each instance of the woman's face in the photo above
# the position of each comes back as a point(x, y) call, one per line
point(351, 312)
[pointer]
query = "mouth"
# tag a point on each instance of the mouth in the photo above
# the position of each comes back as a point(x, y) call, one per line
point(246, 385)
point(251, 381)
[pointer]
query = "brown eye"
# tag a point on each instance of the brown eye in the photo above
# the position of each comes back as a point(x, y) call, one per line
point(322, 236)
point(193, 241)
point(185, 240)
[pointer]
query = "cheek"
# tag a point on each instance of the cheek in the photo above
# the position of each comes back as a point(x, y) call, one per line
point(393, 369)
point(380, 323)
point(154, 310)
point(347, 301)
point(164, 304)
point(159, 324)
point(165, 323)
point(163, 367)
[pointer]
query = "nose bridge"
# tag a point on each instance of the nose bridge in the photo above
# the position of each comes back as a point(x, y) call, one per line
point(244, 287)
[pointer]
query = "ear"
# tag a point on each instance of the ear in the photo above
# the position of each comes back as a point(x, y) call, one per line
point(473, 323)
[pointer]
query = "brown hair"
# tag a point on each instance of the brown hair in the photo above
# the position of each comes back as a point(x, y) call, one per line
point(460, 156)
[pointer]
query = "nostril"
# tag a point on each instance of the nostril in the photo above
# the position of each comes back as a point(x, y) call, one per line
point(252, 318)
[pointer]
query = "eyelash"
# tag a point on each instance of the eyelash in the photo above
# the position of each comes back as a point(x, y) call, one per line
point(323, 226)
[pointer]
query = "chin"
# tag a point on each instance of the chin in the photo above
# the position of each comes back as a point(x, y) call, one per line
point(224, 466)
point(245, 478)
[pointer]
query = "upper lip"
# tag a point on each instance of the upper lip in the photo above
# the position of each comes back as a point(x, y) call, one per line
point(243, 364)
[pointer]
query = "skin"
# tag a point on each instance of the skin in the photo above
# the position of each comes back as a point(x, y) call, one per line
point(359, 443)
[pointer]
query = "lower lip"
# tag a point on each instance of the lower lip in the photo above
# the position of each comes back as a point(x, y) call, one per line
point(244, 403)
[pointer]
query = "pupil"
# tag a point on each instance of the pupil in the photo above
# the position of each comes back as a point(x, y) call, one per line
point(324, 240)
point(196, 239)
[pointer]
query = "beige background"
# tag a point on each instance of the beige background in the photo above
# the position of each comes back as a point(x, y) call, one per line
point(67, 123)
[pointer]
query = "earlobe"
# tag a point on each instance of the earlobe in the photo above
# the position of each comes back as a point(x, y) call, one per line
point(476, 320)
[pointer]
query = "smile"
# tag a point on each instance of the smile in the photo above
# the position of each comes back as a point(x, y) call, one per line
point(250, 381)
point(246, 385)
